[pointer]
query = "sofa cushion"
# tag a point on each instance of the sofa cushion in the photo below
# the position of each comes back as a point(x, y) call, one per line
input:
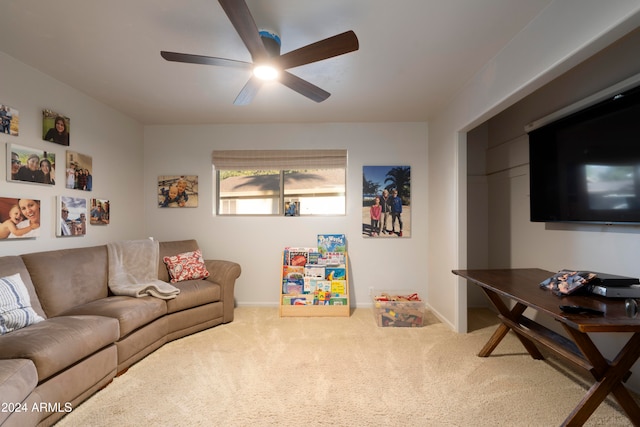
point(13, 264)
point(66, 278)
point(171, 249)
point(15, 305)
point(194, 293)
point(186, 266)
point(18, 378)
point(59, 342)
point(131, 313)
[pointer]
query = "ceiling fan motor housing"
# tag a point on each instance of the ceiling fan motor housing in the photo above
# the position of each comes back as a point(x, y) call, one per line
point(271, 42)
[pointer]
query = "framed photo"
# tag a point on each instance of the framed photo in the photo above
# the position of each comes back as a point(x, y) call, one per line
point(79, 172)
point(99, 213)
point(292, 207)
point(55, 127)
point(72, 216)
point(25, 164)
point(386, 201)
point(9, 120)
point(178, 191)
point(20, 218)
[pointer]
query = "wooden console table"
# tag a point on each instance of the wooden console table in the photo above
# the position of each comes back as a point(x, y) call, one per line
point(521, 286)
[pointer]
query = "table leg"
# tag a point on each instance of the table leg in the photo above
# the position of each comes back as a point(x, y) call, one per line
point(513, 315)
point(609, 377)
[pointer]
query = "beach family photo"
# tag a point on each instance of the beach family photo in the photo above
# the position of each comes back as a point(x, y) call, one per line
point(386, 201)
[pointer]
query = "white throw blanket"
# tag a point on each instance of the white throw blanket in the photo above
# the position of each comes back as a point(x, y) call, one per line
point(133, 270)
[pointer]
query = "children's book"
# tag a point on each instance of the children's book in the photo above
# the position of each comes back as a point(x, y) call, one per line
point(298, 300)
point(332, 243)
point(314, 270)
point(309, 285)
point(335, 273)
point(314, 257)
point(333, 258)
point(294, 288)
point(292, 273)
point(323, 285)
point(298, 256)
point(338, 287)
point(292, 279)
point(322, 298)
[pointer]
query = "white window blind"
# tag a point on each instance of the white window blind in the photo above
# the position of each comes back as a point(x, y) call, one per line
point(279, 159)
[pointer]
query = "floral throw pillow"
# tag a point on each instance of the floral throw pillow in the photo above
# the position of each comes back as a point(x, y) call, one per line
point(186, 266)
point(15, 305)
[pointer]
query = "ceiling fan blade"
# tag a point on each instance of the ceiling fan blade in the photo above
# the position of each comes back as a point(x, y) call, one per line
point(248, 92)
point(241, 19)
point(204, 60)
point(303, 87)
point(324, 49)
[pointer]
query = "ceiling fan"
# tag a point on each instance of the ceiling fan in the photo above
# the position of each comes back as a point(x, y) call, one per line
point(264, 48)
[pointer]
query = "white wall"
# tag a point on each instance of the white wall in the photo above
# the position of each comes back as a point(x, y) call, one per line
point(112, 140)
point(564, 34)
point(256, 242)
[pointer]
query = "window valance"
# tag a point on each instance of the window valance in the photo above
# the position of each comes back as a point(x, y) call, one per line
point(279, 159)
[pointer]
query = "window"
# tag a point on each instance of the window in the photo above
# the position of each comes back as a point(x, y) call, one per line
point(280, 182)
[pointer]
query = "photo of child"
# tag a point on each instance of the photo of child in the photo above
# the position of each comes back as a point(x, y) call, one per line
point(178, 191)
point(19, 218)
point(171, 198)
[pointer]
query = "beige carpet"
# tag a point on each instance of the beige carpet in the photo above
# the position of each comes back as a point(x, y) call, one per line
point(262, 370)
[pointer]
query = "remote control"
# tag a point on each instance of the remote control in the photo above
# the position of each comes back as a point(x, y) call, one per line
point(578, 309)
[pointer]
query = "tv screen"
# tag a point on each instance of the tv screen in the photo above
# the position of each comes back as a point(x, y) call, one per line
point(586, 166)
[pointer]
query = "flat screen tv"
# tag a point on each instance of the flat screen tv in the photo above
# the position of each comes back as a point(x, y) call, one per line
point(586, 167)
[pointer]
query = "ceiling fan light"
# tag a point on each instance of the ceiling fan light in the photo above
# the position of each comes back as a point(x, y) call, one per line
point(265, 72)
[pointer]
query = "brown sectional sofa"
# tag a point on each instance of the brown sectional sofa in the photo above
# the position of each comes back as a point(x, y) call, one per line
point(89, 335)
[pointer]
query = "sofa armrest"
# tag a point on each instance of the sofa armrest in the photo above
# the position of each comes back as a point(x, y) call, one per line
point(225, 274)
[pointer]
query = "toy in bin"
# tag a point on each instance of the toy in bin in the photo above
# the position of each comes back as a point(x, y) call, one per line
point(398, 310)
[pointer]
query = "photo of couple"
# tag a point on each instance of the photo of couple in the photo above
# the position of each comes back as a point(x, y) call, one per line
point(100, 211)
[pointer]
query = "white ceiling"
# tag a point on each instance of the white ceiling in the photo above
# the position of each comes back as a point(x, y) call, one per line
point(414, 54)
